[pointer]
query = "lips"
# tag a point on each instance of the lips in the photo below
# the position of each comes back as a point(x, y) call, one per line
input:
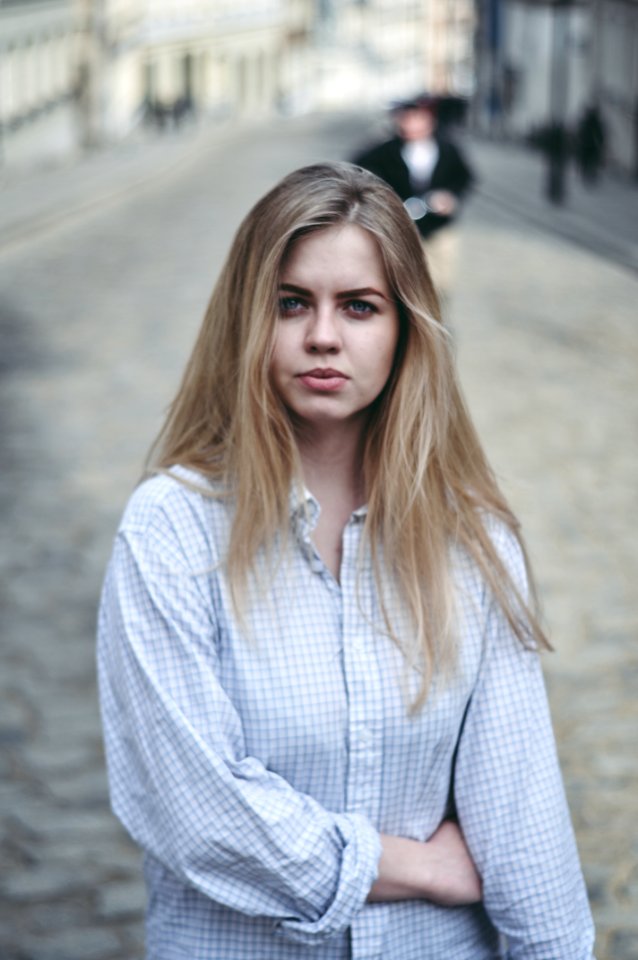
point(324, 373)
point(323, 379)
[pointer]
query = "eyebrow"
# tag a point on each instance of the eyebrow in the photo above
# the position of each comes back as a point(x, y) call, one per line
point(342, 295)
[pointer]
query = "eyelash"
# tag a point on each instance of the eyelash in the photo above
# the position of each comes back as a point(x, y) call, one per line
point(292, 306)
point(289, 306)
point(369, 307)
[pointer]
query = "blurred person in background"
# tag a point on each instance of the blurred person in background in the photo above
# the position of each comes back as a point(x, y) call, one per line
point(590, 144)
point(431, 175)
point(323, 706)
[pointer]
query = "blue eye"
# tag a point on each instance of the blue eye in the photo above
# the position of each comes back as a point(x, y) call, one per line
point(361, 308)
point(290, 305)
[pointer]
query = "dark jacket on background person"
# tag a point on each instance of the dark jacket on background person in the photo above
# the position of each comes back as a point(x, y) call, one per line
point(451, 172)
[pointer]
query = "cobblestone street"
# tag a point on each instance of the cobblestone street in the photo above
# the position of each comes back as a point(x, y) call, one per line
point(97, 315)
point(548, 347)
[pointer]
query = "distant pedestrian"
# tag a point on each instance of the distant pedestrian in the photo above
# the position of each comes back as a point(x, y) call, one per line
point(590, 144)
point(323, 703)
point(430, 174)
point(553, 141)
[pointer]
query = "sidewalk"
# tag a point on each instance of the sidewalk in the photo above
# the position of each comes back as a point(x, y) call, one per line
point(603, 220)
point(37, 199)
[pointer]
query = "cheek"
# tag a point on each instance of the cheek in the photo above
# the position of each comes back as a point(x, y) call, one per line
point(381, 363)
point(390, 346)
point(278, 353)
point(387, 365)
point(276, 377)
point(283, 362)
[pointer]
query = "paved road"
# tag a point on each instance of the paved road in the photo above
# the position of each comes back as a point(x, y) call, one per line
point(548, 348)
point(96, 320)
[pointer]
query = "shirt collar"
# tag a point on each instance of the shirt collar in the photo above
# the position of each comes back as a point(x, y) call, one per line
point(305, 510)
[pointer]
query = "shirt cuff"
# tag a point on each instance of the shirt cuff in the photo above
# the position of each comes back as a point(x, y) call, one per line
point(359, 870)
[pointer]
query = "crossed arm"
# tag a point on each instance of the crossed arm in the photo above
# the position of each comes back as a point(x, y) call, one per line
point(440, 870)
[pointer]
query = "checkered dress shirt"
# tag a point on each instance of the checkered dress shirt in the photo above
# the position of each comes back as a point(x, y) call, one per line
point(257, 763)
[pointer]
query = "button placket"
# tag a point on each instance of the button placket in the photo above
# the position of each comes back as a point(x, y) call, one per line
point(363, 682)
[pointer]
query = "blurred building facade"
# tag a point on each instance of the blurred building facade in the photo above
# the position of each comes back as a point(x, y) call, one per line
point(372, 51)
point(39, 50)
point(546, 61)
point(114, 64)
point(169, 58)
point(615, 76)
point(449, 47)
point(85, 72)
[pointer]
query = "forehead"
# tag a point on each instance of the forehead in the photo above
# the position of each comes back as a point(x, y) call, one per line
point(339, 252)
point(409, 113)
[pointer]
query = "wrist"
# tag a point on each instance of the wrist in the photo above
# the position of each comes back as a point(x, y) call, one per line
point(440, 869)
point(405, 871)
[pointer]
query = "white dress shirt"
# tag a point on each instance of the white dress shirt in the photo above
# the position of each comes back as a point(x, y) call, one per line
point(257, 764)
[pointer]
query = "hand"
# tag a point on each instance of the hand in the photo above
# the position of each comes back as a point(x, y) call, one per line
point(453, 879)
point(440, 870)
point(442, 202)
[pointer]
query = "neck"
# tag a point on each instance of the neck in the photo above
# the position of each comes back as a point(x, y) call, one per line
point(331, 461)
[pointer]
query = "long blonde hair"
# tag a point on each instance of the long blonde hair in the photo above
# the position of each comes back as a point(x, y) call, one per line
point(427, 480)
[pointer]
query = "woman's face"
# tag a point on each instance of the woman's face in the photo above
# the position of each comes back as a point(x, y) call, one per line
point(338, 327)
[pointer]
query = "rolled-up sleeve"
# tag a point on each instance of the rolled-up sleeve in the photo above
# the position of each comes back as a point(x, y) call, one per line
point(511, 803)
point(181, 780)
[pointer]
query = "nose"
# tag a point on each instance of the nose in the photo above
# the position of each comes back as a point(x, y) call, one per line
point(323, 334)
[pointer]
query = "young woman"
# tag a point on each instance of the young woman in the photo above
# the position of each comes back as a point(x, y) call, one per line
point(323, 706)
